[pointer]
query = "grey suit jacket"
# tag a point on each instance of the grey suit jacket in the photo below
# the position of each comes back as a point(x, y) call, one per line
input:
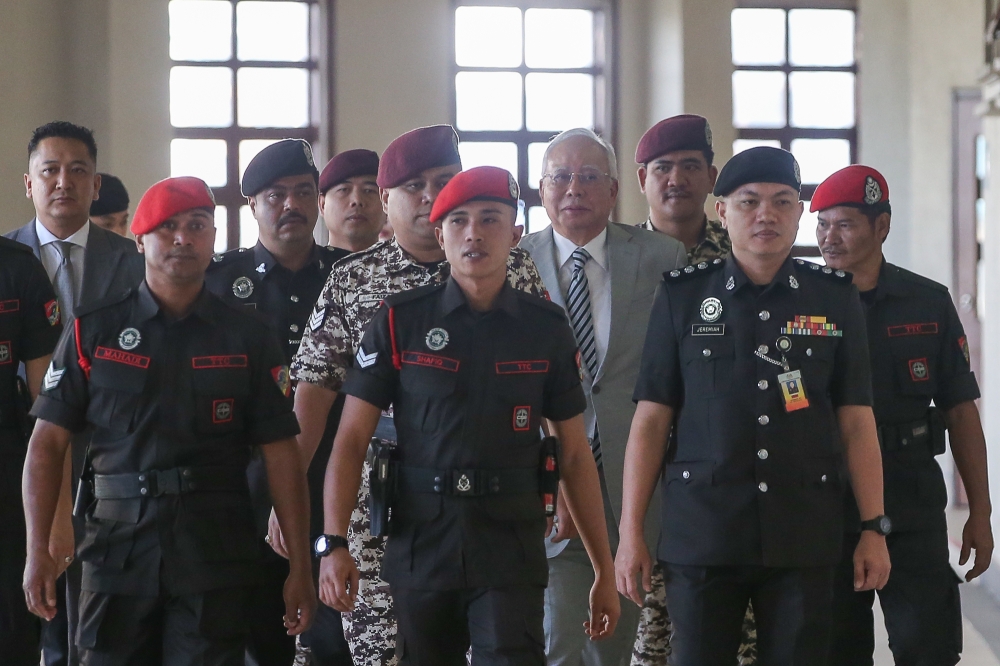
point(111, 265)
point(637, 260)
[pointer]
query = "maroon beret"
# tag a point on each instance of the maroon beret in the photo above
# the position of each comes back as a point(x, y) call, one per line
point(416, 151)
point(348, 164)
point(855, 185)
point(485, 183)
point(685, 132)
point(168, 198)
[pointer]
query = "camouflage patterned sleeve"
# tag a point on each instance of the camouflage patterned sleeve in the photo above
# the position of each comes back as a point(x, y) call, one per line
point(326, 351)
point(522, 273)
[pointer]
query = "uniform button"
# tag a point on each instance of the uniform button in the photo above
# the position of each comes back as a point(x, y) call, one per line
point(763, 486)
point(192, 485)
point(905, 441)
point(823, 478)
point(809, 352)
point(437, 479)
point(186, 472)
point(596, 389)
point(293, 298)
point(763, 419)
point(762, 454)
point(686, 474)
point(143, 491)
point(294, 328)
point(764, 315)
point(762, 349)
point(762, 385)
point(706, 352)
point(142, 477)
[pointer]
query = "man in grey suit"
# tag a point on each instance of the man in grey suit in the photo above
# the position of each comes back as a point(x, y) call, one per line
point(85, 263)
point(605, 275)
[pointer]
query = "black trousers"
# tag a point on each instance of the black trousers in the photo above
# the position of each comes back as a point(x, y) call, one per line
point(325, 639)
point(207, 629)
point(503, 626)
point(921, 605)
point(268, 643)
point(19, 629)
point(792, 608)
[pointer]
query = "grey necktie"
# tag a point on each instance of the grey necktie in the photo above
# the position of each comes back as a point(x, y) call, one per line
point(64, 281)
point(578, 304)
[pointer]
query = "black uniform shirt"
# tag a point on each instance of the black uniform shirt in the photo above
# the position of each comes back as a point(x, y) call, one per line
point(469, 391)
point(161, 394)
point(918, 354)
point(749, 483)
point(29, 329)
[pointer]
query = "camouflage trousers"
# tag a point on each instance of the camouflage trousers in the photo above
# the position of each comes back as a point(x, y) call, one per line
point(652, 642)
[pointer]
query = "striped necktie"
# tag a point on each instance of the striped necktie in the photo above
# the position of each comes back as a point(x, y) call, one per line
point(578, 305)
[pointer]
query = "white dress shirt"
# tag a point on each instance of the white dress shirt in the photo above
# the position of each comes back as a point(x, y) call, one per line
point(50, 255)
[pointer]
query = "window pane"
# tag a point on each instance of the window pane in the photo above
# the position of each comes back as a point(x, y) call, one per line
point(249, 149)
point(821, 37)
point(758, 99)
point(488, 36)
point(535, 153)
point(221, 220)
point(204, 158)
point(272, 31)
point(745, 144)
point(503, 155)
point(559, 101)
point(249, 231)
point(559, 38)
point(807, 229)
point(538, 219)
point(822, 99)
point(818, 158)
point(201, 96)
point(201, 30)
point(488, 101)
point(758, 36)
point(273, 97)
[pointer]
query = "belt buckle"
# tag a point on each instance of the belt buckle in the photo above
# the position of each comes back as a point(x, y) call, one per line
point(464, 482)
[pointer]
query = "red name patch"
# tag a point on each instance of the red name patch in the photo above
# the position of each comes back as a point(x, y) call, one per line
point(232, 361)
point(522, 367)
point(431, 361)
point(13, 305)
point(119, 356)
point(913, 329)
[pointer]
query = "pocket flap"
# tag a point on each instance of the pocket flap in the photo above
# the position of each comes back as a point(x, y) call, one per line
point(216, 381)
point(110, 374)
point(707, 348)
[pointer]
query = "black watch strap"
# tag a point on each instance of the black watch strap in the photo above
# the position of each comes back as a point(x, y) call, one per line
point(327, 543)
point(879, 524)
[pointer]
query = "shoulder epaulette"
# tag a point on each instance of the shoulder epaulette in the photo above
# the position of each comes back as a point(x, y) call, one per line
point(809, 268)
point(413, 294)
point(101, 303)
point(693, 270)
point(226, 258)
point(917, 279)
point(14, 245)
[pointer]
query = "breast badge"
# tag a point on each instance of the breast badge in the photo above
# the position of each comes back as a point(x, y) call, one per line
point(918, 370)
point(222, 410)
point(129, 339)
point(5, 356)
point(522, 419)
point(437, 339)
point(711, 309)
point(242, 287)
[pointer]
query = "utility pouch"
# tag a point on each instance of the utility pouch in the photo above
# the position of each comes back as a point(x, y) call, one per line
point(548, 474)
point(935, 419)
point(383, 483)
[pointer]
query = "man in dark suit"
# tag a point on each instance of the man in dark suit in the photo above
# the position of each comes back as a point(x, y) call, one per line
point(85, 263)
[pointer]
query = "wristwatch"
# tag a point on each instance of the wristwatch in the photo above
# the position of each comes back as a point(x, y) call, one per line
point(327, 543)
point(879, 524)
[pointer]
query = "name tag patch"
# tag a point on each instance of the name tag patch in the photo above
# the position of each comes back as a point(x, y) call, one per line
point(431, 361)
point(522, 418)
point(222, 410)
point(912, 329)
point(119, 356)
point(228, 361)
point(13, 305)
point(708, 329)
point(522, 367)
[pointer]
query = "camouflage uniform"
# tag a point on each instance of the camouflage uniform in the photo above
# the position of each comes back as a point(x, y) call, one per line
point(652, 644)
point(352, 294)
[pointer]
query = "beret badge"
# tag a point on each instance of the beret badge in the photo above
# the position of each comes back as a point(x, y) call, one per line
point(873, 192)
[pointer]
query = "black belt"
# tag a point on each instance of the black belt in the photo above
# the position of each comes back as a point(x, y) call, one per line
point(176, 481)
point(906, 435)
point(468, 482)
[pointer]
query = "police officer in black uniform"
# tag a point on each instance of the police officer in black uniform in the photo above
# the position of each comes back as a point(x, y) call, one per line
point(919, 354)
point(763, 360)
point(178, 388)
point(29, 329)
point(471, 367)
point(279, 279)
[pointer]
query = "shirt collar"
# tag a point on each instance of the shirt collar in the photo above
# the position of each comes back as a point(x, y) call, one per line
point(264, 261)
point(734, 274)
point(454, 298)
point(78, 238)
point(889, 283)
point(597, 248)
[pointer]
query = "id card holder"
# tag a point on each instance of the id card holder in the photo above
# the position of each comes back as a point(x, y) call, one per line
point(793, 391)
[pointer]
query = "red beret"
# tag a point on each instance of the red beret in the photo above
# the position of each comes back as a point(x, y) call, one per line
point(167, 198)
point(854, 185)
point(485, 183)
point(348, 164)
point(416, 151)
point(686, 132)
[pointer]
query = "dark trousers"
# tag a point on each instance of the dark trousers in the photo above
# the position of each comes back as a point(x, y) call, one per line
point(792, 607)
point(269, 643)
point(325, 639)
point(207, 629)
point(19, 629)
point(921, 605)
point(503, 625)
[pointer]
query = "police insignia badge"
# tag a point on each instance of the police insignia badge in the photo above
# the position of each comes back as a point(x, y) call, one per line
point(918, 369)
point(129, 339)
point(261, 268)
point(437, 339)
point(307, 151)
point(708, 134)
point(783, 343)
point(282, 379)
point(522, 418)
point(792, 282)
point(52, 312)
point(730, 284)
point(711, 309)
point(873, 192)
point(52, 377)
point(798, 172)
point(217, 257)
point(242, 287)
point(512, 185)
point(963, 342)
point(222, 410)
point(5, 356)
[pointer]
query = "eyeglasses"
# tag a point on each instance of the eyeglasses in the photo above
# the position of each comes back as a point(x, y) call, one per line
point(562, 179)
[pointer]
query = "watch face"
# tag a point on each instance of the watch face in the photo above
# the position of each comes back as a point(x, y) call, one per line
point(885, 525)
point(321, 546)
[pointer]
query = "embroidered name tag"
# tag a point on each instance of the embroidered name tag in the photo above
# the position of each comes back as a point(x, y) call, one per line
point(913, 329)
point(12, 305)
point(522, 367)
point(708, 329)
point(431, 361)
point(231, 361)
point(119, 356)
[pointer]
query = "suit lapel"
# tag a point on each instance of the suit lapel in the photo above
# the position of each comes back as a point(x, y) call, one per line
point(623, 266)
point(29, 237)
point(545, 260)
point(99, 265)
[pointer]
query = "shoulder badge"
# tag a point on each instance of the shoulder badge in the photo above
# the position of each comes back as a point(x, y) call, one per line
point(824, 271)
point(692, 270)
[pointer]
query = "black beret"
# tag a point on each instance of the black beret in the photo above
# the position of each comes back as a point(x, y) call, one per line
point(684, 132)
point(762, 164)
point(113, 197)
point(288, 157)
point(348, 164)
